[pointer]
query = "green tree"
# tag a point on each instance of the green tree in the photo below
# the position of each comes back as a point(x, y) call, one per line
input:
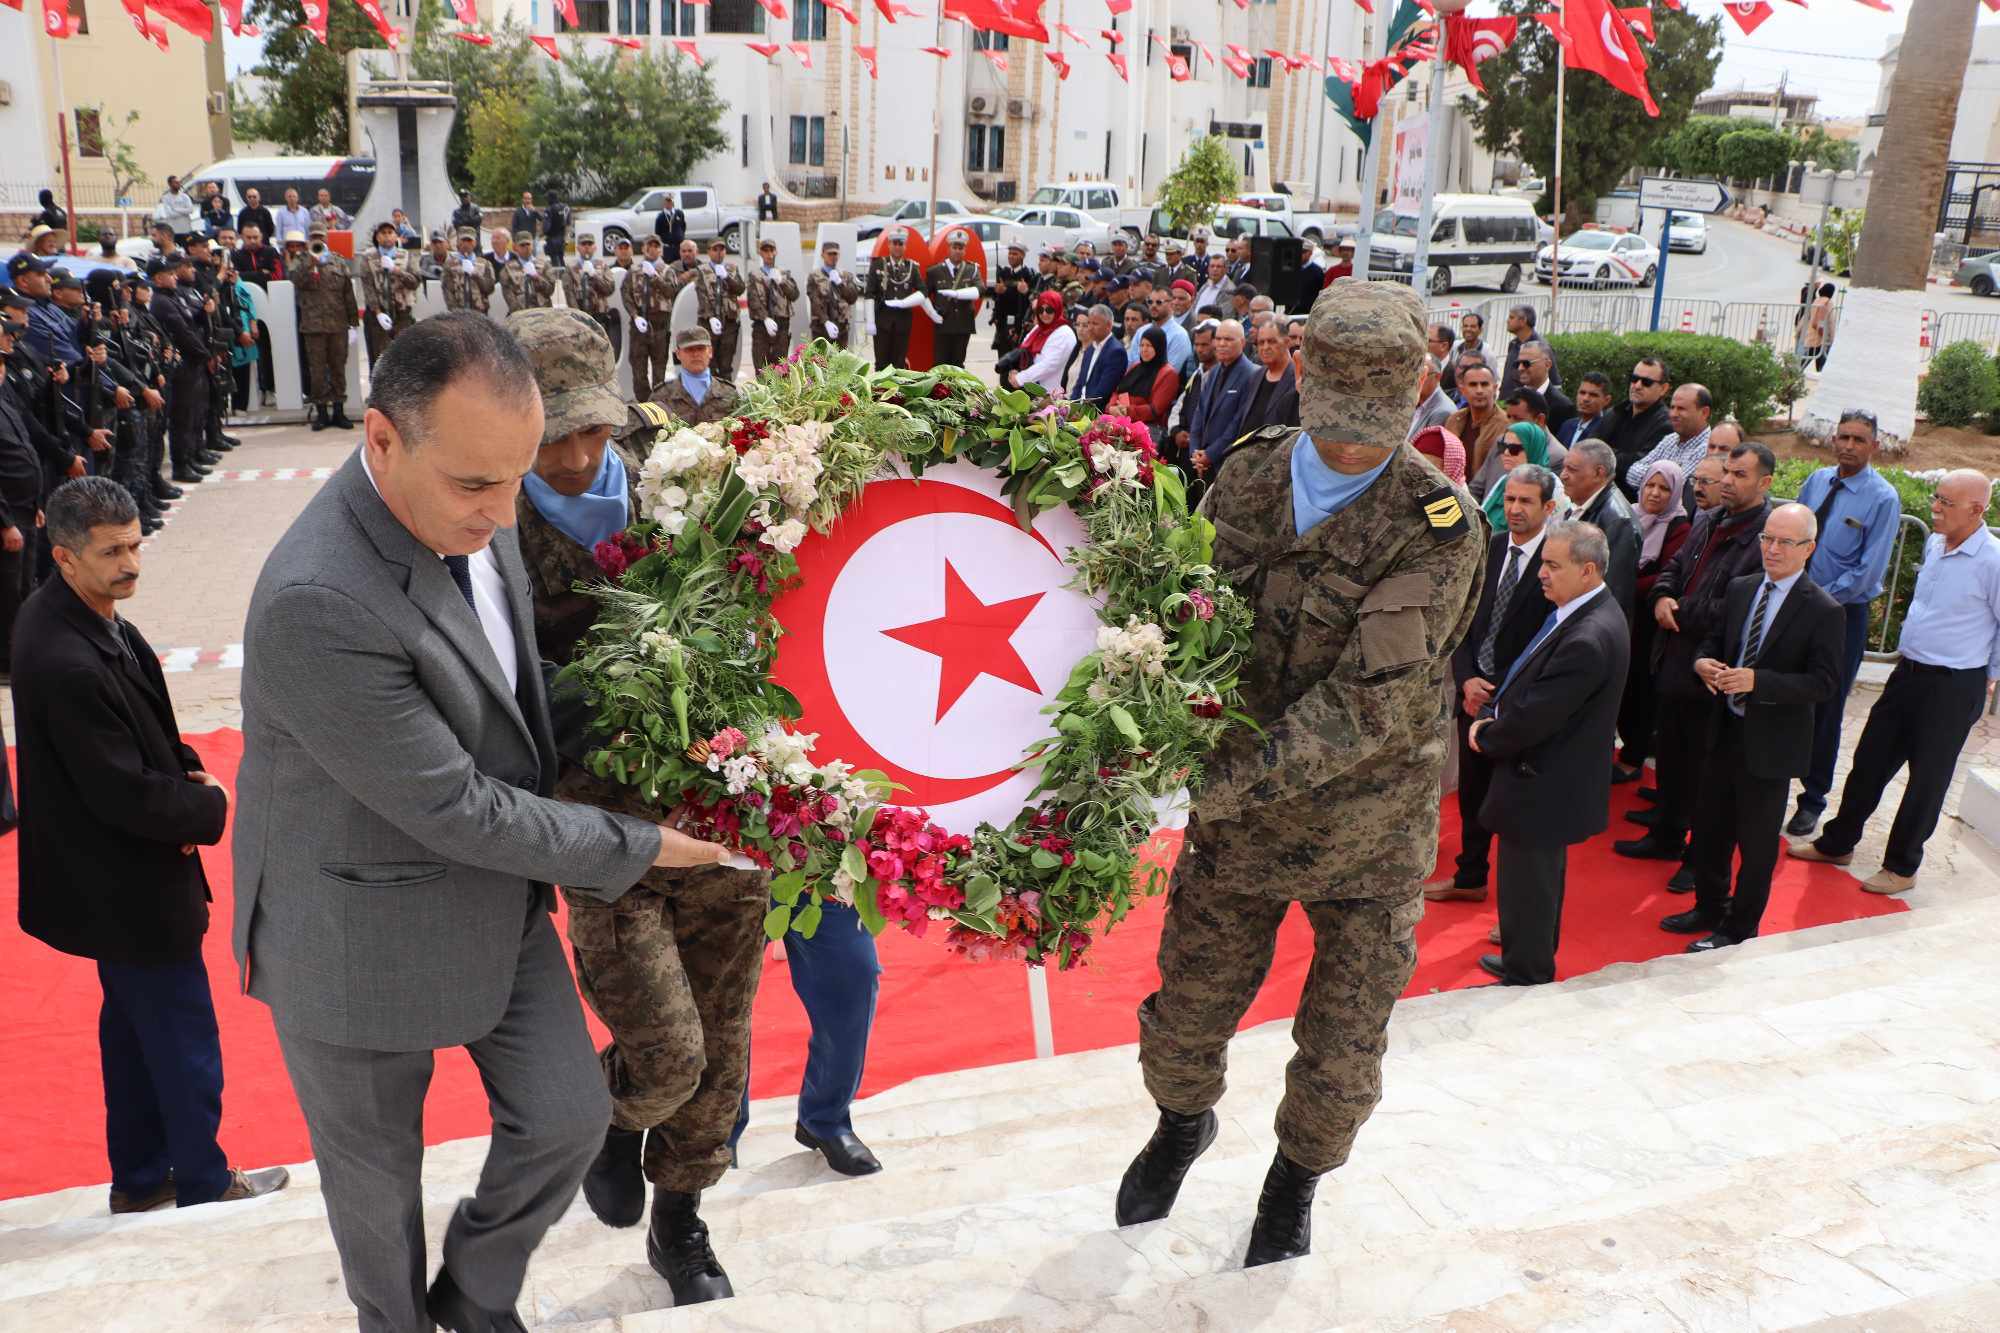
point(1606, 132)
point(115, 145)
point(501, 158)
point(1205, 177)
point(1754, 153)
point(506, 69)
point(1816, 145)
point(605, 125)
point(307, 111)
point(1691, 149)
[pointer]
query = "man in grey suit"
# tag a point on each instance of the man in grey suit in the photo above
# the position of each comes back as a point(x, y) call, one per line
point(394, 844)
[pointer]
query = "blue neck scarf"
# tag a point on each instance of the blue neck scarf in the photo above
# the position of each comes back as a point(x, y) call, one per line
point(698, 385)
point(600, 513)
point(1318, 492)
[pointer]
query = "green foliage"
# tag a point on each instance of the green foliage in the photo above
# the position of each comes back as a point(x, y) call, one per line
point(1745, 379)
point(1754, 153)
point(1962, 385)
point(1204, 178)
point(1692, 149)
point(307, 112)
point(1840, 236)
point(605, 125)
point(500, 161)
point(1605, 132)
point(126, 173)
point(1831, 154)
point(507, 70)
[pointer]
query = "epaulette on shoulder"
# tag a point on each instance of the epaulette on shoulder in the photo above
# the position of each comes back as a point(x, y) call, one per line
point(645, 416)
point(1272, 434)
point(1444, 514)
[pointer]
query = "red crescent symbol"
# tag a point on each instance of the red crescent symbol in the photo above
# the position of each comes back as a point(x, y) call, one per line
point(801, 661)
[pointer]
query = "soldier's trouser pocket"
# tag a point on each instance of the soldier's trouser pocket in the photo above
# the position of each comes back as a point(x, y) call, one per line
point(629, 968)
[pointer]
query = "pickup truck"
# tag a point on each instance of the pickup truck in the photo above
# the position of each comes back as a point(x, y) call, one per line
point(910, 212)
point(1111, 204)
point(1316, 227)
point(633, 218)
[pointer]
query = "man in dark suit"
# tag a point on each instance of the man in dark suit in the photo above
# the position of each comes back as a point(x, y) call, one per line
point(113, 805)
point(1634, 426)
point(1774, 654)
point(1100, 360)
point(1589, 421)
point(1225, 397)
point(1548, 732)
point(1535, 363)
point(1511, 608)
point(670, 224)
point(1587, 480)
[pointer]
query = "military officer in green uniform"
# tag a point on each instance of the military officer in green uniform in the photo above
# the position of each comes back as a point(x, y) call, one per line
point(694, 393)
point(525, 283)
point(773, 294)
point(649, 299)
point(672, 967)
point(830, 296)
point(588, 286)
point(896, 285)
point(390, 281)
point(718, 286)
point(468, 277)
point(1363, 564)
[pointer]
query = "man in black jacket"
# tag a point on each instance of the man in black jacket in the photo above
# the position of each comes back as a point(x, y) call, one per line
point(1687, 603)
point(20, 505)
point(1774, 654)
point(1586, 479)
point(1512, 607)
point(113, 805)
point(1547, 732)
point(1634, 426)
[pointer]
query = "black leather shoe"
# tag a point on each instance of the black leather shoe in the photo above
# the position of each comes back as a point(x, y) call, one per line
point(1802, 823)
point(188, 476)
point(1284, 1226)
point(1493, 965)
point(843, 1152)
point(1153, 1181)
point(229, 441)
point(1647, 793)
point(1710, 943)
point(1652, 847)
point(1625, 773)
point(148, 525)
point(614, 1187)
point(677, 1248)
point(1683, 880)
point(1688, 923)
point(163, 491)
point(1643, 818)
point(454, 1311)
point(208, 458)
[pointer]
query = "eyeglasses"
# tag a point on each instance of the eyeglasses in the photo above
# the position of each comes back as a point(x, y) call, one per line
point(1767, 539)
point(1512, 449)
point(1646, 380)
point(1939, 502)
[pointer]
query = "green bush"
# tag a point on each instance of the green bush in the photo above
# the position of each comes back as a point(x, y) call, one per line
point(1962, 385)
point(1745, 379)
point(1901, 579)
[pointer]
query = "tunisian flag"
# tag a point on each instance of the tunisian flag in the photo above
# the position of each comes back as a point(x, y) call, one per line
point(196, 18)
point(1748, 14)
point(548, 44)
point(1016, 18)
point(1469, 41)
point(1594, 37)
point(1061, 62)
point(687, 48)
point(866, 55)
point(316, 18)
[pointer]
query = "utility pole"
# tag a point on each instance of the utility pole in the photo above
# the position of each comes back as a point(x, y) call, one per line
point(1778, 102)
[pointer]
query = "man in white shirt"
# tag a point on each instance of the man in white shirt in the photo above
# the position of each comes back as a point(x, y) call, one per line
point(1689, 412)
point(292, 218)
point(176, 207)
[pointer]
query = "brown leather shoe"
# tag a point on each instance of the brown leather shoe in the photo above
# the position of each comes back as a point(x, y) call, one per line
point(1805, 851)
point(254, 1184)
point(1886, 880)
point(1448, 891)
point(162, 1197)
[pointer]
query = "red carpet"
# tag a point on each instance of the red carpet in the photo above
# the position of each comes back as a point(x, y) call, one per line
point(52, 1099)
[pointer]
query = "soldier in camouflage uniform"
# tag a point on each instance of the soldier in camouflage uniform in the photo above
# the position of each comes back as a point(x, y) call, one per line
point(468, 277)
point(773, 293)
point(389, 278)
point(588, 286)
point(830, 294)
point(327, 310)
point(524, 282)
point(694, 394)
point(719, 286)
point(671, 967)
point(649, 299)
point(1363, 564)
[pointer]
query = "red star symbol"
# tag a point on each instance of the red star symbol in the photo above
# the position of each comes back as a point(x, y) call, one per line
point(971, 639)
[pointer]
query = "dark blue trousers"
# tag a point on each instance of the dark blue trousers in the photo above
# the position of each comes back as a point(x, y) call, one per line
point(1827, 715)
point(162, 1079)
point(836, 976)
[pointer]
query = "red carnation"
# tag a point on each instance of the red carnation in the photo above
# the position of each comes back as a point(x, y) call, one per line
point(610, 558)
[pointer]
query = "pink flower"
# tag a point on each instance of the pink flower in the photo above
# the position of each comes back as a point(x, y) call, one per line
point(726, 742)
point(610, 558)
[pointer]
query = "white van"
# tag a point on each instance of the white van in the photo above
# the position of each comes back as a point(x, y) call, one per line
point(1477, 240)
point(347, 179)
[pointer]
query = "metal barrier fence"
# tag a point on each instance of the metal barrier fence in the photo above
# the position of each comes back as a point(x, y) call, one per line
point(1910, 524)
point(1967, 326)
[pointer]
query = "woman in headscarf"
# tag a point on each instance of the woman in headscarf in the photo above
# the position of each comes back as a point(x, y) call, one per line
point(1045, 351)
point(1444, 449)
point(1523, 442)
point(1150, 386)
point(1663, 526)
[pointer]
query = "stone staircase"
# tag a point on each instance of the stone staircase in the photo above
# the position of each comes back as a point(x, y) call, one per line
point(1803, 1132)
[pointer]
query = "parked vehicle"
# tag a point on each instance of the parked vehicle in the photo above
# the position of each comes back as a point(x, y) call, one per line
point(1603, 259)
point(347, 179)
point(633, 217)
point(1980, 274)
point(1316, 227)
point(912, 212)
point(1070, 226)
point(1477, 240)
point(994, 235)
point(1687, 231)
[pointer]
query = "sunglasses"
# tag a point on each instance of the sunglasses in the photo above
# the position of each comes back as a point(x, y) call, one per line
point(1646, 380)
point(1512, 449)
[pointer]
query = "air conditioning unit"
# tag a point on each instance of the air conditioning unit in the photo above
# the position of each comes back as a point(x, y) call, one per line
point(1022, 108)
point(980, 106)
point(218, 104)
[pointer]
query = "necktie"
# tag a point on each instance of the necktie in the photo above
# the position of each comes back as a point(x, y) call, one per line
point(1825, 510)
point(1753, 641)
point(1502, 594)
point(1548, 628)
point(460, 568)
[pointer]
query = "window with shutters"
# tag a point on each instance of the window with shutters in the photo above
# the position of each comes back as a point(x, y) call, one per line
point(809, 21)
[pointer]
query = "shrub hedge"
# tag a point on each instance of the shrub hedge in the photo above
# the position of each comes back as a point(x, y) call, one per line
point(1962, 386)
point(1745, 379)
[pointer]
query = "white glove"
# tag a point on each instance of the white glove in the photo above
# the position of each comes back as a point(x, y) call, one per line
point(589, 267)
point(388, 263)
point(1171, 812)
point(832, 329)
point(646, 265)
point(383, 319)
point(721, 270)
point(909, 302)
point(932, 311)
point(528, 269)
point(715, 326)
point(639, 323)
point(771, 327)
point(467, 266)
point(964, 294)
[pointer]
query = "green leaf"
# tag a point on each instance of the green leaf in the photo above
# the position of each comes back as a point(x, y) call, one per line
point(679, 699)
point(981, 895)
point(776, 921)
point(854, 863)
point(1127, 728)
point(807, 921)
point(1044, 859)
point(787, 887)
point(868, 908)
point(864, 822)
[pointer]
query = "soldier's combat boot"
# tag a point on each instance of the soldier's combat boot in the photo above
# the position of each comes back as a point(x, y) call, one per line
point(318, 417)
point(677, 1248)
point(1284, 1225)
point(614, 1187)
point(163, 490)
point(1153, 1180)
point(340, 421)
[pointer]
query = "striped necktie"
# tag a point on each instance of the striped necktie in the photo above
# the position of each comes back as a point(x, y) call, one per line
point(1753, 642)
point(1503, 593)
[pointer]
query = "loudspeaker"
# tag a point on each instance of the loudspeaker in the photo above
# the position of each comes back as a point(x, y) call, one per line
point(1275, 262)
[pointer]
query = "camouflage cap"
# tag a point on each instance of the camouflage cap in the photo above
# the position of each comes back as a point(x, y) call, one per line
point(1364, 344)
point(574, 367)
point(696, 335)
point(524, 238)
point(468, 234)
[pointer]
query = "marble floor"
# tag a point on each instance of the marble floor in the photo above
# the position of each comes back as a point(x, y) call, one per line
point(1801, 1133)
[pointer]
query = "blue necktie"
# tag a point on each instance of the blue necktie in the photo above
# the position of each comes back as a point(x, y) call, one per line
point(1548, 628)
point(460, 568)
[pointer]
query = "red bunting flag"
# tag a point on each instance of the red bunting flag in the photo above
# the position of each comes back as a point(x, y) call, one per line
point(1061, 62)
point(136, 11)
point(1749, 14)
point(1111, 35)
point(1072, 33)
point(567, 8)
point(1367, 8)
point(1344, 70)
point(1236, 50)
point(476, 38)
point(386, 29)
point(687, 48)
point(1243, 4)
point(1118, 63)
point(1153, 38)
point(998, 59)
point(890, 9)
point(1203, 48)
point(315, 18)
point(1240, 68)
point(465, 11)
point(1016, 18)
point(55, 18)
point(1640, 19)
point(232, 15)
point(1118, 6)
point(629, 43)
point(937, 51)
point(1993, 5)
point(1596, 39)
point(803, 52)
point(1882, 5)
point(1178, 69)
point(775, 8)
point(1674, 5)
point(194, 16)
point(548, 45)
point(845, 10)
point(1469, 41)
point(867, 57)
point(10, 4)
point(764, 49)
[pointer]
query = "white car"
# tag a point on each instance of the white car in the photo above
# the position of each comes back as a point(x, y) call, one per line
point(911, 212)
point(1602, 259)
point(1075, 225)
point(995, 234)
point(1687, 231)
point(633, 218)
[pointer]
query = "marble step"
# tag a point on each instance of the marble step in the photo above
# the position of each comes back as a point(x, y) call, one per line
point(1028, 1165)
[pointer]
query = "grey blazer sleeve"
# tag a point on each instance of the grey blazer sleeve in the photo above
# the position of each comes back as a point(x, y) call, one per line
point(345, 687)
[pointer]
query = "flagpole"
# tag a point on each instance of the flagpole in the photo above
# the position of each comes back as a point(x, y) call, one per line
point(62, 134)
point(1420, 262)
point(1364, 240)
point(1319, 135)
point(1555, 239)
point(937, 122)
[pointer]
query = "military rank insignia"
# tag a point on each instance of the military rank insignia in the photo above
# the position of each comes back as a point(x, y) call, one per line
point(1444, 513)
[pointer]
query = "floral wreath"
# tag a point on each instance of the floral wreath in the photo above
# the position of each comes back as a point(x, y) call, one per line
point(679, 663)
